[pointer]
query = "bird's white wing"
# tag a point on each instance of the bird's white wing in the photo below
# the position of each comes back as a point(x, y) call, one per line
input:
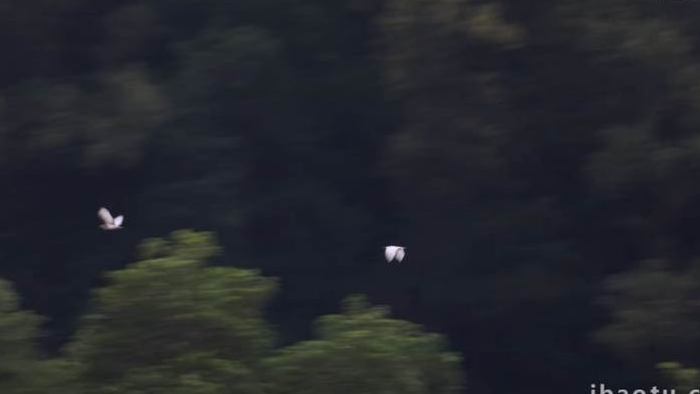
point(119, 220)
point(400, 253)
point(390, 252)
point(104, 214)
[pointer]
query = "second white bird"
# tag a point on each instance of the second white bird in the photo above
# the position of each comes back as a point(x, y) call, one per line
point(394, 253)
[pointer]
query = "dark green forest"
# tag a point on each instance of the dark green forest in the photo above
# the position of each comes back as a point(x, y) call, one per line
point(539, 161)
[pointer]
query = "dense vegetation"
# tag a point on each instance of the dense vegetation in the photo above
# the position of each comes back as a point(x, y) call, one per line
point(539, 160)
point(170, 324)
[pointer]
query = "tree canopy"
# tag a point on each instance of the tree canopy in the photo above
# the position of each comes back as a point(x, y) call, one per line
point(171, 323)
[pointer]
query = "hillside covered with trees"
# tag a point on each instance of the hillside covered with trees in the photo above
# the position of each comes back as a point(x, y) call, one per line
point(539, 160)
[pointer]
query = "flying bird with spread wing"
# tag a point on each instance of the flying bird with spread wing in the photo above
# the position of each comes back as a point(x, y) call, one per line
point(394, 253)
point(109, 223)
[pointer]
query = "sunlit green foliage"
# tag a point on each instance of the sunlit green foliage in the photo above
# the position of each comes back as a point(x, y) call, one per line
point(173, 323)
point(364, 350)
point(19, 331)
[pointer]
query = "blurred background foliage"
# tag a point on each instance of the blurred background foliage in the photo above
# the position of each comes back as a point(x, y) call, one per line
point(538, 160)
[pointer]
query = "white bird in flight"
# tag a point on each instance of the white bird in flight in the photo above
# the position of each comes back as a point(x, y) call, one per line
point(109, 223)
point(394, 252)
